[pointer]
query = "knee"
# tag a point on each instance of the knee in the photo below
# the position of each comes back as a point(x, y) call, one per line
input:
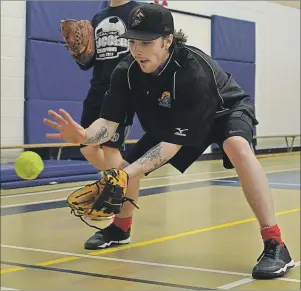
point(237, 148)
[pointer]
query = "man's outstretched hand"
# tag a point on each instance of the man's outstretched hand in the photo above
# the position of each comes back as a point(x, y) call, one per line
point(68, 130)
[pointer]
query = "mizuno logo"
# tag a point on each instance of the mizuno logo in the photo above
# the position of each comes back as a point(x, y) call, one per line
point(180, 131)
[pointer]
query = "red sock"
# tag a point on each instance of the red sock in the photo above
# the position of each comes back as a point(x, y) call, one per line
point(123, 223)
point(271, 232)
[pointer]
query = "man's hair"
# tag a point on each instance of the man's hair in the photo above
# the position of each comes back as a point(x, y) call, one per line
point(180, 38)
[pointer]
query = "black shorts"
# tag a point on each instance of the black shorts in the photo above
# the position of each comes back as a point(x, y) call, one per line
point(91, 112)
point(238, 123)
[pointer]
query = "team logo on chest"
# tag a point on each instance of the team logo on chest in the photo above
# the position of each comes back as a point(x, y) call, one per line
point(108, 45)
point(165, 100)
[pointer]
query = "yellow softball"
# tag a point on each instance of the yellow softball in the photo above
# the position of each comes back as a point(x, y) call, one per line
point(29, 165)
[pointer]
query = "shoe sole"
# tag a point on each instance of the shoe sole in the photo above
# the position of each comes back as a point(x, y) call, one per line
point(108, 244)
point(276, 274)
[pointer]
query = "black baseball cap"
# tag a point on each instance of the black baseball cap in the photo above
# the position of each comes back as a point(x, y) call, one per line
point(149, 22)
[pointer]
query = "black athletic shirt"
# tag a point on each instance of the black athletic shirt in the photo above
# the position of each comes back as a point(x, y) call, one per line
point(179, 104)
point(108, 24)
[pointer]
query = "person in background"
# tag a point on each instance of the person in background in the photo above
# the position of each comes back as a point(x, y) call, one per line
point(108, 25)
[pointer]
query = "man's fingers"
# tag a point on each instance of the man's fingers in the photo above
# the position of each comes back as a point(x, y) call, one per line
point(66, 116)
point(53, 135)
point(52, 124)
point(56, 116)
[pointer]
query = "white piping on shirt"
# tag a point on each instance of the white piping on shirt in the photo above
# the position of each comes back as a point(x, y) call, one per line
point(167, 63)
point(174, 80)
point(174, 85)
point(224, 109)
point(177, 64)
point(128, 74)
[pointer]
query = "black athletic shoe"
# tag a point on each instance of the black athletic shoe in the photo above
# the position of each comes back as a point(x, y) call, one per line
point(274, 261)
point(109, 235)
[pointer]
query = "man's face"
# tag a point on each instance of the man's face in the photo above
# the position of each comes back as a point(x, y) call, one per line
point(150, 54)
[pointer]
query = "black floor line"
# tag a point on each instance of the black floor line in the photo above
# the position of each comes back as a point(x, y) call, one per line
point(151, 282)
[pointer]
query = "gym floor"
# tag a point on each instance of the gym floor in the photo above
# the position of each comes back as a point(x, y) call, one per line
point(193, 231)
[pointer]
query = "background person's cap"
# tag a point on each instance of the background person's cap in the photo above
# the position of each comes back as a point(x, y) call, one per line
point(149, 22)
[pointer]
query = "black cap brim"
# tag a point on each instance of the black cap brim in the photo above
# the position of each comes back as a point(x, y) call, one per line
point(140, 35)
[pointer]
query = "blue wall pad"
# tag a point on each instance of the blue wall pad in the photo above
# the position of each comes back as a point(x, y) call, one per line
point(49, 181)
point(52, 74)
point(52, 169)
point(232, 39)
point(233, 46)
point(43, 17)
point(37, 110)
point(243, 74)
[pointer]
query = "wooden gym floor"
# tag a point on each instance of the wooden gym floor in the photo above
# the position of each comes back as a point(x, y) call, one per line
point(193, 231)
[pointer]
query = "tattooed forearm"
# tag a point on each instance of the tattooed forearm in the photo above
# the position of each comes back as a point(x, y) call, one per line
point(153, 159)
point(153, 154)
point(100, 131)
point(97, 137)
